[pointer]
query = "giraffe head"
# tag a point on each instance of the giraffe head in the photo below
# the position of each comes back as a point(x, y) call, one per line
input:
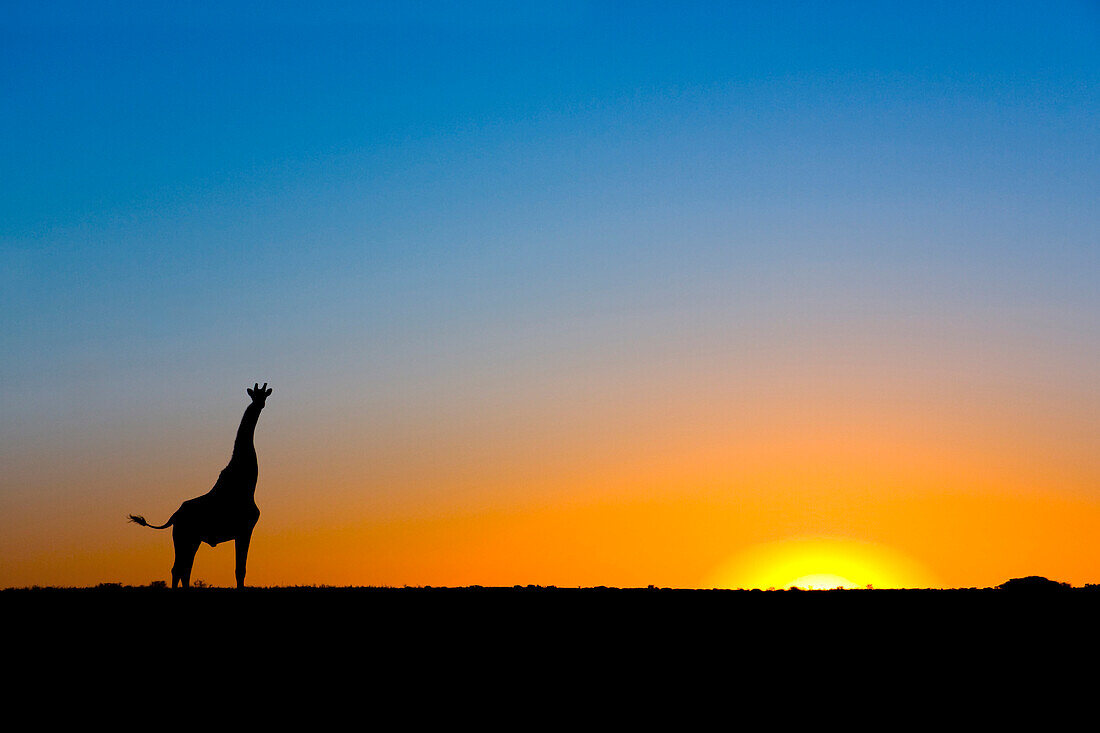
point(259, 394)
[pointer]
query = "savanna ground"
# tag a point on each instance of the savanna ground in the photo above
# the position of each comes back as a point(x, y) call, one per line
point(534, 614)
point(424, 650)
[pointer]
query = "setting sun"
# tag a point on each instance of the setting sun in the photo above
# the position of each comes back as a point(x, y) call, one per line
point(821, 564)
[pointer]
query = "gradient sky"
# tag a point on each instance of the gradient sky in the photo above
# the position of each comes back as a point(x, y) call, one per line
point(688, 294)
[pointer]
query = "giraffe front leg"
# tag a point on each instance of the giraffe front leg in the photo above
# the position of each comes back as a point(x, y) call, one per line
point(242, 543)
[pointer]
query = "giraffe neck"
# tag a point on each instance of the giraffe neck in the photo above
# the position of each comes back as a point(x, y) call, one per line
point(244, 449)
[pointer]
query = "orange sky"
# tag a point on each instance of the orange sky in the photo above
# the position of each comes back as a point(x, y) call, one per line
point(601, 481)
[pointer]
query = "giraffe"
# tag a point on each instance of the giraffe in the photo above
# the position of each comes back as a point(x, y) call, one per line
point(228, 511)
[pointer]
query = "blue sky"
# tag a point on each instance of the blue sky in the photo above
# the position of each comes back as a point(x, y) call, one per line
point(360, 196)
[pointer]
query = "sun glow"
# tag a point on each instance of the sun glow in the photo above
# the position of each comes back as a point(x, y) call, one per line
point(821, 564)
point(821, 581)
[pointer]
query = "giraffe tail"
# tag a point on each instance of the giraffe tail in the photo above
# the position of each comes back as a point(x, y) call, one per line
point(138, 519)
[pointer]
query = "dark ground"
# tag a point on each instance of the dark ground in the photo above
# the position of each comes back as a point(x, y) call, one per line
point(395, 617)
point(482, 651)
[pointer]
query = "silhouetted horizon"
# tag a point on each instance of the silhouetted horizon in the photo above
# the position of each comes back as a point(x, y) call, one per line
point(1025, 583)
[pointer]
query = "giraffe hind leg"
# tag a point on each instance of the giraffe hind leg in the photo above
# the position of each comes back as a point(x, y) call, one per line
point(186, 547)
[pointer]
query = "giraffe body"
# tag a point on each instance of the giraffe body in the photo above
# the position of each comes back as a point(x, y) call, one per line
point(226, 512)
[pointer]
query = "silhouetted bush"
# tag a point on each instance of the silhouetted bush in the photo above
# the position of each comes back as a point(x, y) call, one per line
point(1033, 583)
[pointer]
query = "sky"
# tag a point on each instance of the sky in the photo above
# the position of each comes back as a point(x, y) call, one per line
point(684, 294)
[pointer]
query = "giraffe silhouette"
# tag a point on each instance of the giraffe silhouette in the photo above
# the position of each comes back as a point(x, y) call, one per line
point(228, 511)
